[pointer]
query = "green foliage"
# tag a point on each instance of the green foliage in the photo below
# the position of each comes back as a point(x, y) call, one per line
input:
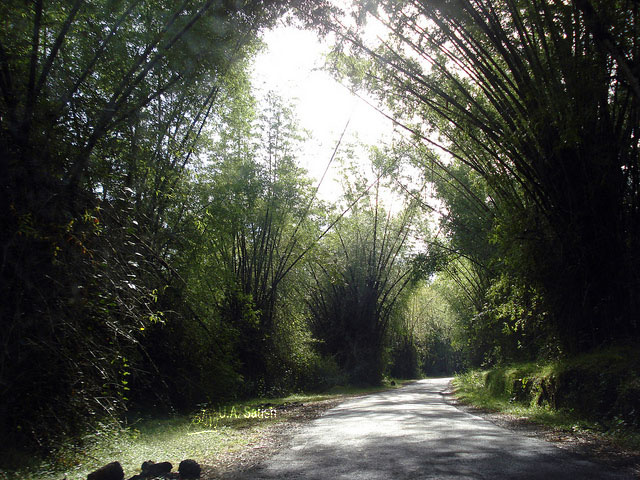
point(511, 326)
point(534, 105)
point(596, 389)
point(232, 325)
point(404, 358)
point(103, 107)
point(254, 202)
point(432, 322)
point(358, 286)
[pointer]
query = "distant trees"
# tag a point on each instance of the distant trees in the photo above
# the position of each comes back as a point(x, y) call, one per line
point(358, 284)
point(435, 329)
point(539, 101)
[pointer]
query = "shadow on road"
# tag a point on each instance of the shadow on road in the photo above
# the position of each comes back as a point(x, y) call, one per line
point(412, 433)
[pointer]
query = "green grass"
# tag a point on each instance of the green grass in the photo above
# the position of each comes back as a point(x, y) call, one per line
point(495, 390)
point(202, 435)
point(471, 389)
point(172, 439)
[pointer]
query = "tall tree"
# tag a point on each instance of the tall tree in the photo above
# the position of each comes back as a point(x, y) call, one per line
point(255, 222)
point(539, 99)
point(101, 106)
point(358, 284)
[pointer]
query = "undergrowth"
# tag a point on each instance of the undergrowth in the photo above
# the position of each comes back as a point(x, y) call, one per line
point(595, 393)
point(203, 435)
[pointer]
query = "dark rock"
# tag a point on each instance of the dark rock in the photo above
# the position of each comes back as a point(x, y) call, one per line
point(152, 469)
point(288, 406)
point(189, 469)
point(111, 471)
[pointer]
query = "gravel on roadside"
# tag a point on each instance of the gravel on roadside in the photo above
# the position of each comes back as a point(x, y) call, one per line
point(272, 438)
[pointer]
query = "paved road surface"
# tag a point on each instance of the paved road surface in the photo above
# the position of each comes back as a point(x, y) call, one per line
point(412, 433)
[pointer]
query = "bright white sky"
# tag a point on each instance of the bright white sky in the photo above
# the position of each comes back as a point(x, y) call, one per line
point(291, 66)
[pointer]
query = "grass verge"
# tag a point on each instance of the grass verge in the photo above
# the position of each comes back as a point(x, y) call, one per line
point(591, 395)
point(206, 435)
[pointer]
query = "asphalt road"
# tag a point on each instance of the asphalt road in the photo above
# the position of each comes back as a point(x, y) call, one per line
point(412, 433)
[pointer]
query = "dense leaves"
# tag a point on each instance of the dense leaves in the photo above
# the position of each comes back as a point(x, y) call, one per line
point(359, 284)
point(538, 100)
point(102, 109)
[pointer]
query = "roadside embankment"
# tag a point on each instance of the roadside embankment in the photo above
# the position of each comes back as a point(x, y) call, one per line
point(594, 396)
point(602, 387)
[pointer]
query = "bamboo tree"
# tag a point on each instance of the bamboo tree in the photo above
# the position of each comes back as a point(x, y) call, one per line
point(354, 295)
point(538, 99)
point(101, 107)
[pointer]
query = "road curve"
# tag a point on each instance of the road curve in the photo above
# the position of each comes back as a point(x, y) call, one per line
point(412, 433)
